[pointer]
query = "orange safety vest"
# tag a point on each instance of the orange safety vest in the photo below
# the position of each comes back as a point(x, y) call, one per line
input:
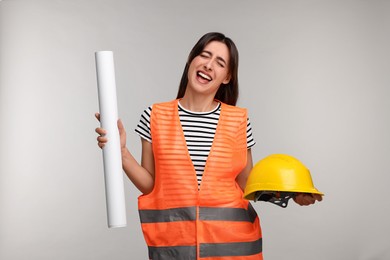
point(214, 222)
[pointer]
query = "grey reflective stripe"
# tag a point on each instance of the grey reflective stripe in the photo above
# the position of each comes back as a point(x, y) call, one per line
point(205, 213)
point(167, 215)
point(231, 249)
point(228, 214)
point(252, 212)
point(172, 252)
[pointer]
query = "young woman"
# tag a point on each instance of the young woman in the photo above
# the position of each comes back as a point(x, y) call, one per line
point(196, 157)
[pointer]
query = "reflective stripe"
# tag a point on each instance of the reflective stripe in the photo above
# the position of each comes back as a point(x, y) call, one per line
point(205, 213)
point(172, 252)
point(167, 215)
point(228, 214)
point(252, 212)
point(231, 249)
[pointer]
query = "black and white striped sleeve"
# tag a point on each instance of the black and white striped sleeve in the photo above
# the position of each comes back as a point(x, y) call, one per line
point(249, 136)
point(143, 127)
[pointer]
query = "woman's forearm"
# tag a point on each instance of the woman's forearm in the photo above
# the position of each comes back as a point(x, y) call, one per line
point(138, 175)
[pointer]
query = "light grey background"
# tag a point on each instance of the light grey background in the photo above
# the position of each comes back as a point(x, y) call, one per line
point(313, 74)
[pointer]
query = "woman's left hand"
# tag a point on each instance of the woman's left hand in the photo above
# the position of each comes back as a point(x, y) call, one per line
point(305, 199)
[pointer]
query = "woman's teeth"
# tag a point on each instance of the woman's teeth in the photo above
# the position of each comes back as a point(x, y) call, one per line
point(204, 76)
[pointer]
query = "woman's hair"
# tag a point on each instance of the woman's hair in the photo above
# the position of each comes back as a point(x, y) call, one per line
point(227, 93)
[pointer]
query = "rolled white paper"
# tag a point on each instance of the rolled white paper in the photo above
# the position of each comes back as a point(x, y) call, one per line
point(112, 160)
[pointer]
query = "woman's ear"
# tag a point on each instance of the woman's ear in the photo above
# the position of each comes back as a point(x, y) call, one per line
point(227, 80)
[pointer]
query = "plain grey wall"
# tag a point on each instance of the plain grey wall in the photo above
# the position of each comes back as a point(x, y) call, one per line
point(313, 74)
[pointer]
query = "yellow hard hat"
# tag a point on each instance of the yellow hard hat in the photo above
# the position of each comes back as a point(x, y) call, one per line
point(279, 175)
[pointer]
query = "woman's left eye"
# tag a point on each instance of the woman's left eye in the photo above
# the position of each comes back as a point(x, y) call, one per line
point(221, 64)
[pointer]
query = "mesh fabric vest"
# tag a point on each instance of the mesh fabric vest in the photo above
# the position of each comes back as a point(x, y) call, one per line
point(214, 222)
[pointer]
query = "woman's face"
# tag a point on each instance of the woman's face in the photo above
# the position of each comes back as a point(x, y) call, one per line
point(209, 69)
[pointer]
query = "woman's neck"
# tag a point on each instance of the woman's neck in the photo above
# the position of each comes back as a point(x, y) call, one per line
point(198, 103)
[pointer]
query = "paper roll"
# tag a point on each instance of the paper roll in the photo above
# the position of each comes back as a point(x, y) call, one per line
point(112, 159)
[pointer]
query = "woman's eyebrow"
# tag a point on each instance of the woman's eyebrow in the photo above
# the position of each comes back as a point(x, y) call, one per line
point(218, 57)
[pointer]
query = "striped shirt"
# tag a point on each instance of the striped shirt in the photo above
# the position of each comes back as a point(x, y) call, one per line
point(199, 130)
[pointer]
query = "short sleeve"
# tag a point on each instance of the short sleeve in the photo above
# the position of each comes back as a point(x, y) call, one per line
point(249, 135)
point(143, 127)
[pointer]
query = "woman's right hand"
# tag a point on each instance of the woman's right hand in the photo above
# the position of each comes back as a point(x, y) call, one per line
point(102, 139)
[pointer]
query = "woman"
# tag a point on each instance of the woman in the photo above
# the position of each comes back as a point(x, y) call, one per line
point(196, 157)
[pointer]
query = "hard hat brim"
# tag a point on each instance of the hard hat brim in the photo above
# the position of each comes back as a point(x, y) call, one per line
point(250, 190)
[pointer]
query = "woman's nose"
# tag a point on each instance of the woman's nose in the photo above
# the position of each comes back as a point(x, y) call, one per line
point(208, 65)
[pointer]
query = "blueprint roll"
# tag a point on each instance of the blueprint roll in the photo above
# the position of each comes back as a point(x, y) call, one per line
point(112, 159)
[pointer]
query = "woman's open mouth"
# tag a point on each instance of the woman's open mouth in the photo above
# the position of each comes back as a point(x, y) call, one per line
point(203, 77)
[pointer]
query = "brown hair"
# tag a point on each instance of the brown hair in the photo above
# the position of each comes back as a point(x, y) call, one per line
point(227, 93)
